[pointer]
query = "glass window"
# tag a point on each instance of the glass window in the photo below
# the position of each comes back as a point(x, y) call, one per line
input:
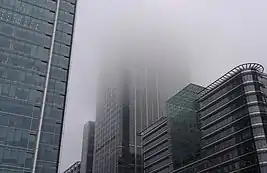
point(47, 138)
point(64, 27)
point(254, 108)
point(4, 42)
point(62, 49)
point(64, 5)
point(63, 38)
point(65, 16)
point(29, 160)
point(59, 74)
point(44, 3)
point(247, 77)
point(53, 113)
point(47, 153)
point(60, 61)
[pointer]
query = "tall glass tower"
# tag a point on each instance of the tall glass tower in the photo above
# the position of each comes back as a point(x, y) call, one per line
point(35, 49)
point(130, 98)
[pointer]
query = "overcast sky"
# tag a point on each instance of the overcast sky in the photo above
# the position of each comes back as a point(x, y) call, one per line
point(212, 35)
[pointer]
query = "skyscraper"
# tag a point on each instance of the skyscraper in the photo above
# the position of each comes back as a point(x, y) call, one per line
point(88, 147)
point(222, 128)
point(131, 96)
point(35, 49)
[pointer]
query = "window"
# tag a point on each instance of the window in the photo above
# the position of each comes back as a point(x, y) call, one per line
point(47, 153)
point(4, 42)
point(64, 27)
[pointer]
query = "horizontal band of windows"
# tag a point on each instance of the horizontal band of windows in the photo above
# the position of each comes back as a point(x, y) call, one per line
point(49, 5)
point(163, 133)
point(25, 35)
point(228, 161)
point(161, 167)
point(228, 103)
point(156, 161)
point(226, 137)
point(240, 110)
point(219, 129)
point(159, 146)
point(225, 83)
point(228, 93)
point(157, 152)
point(48, 17)
point(224, 127)
point(26, 22)
point(151, 129)
point(22, 41)
point(154, 134)
point(24, 49)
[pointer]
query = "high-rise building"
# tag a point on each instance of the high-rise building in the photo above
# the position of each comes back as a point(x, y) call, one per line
point(35, 49)
point(130, 97)
point(156, 147)
point(223, 130)
point(173, 139)
point(88, 147)
point(75, 168)
point(232, 119)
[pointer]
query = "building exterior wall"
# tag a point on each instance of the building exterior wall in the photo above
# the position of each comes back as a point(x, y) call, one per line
point(231, 117)
point(129, 99)
point(173, 140)
point(156, 147)
point(183, 126)
point(88, 147)
point(75, 168)
point(35, 49)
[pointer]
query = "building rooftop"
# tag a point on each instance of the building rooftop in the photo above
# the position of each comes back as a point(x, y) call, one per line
point(228, 75)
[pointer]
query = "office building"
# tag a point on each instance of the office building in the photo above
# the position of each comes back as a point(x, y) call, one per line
point(88, 147)
point(156, 147)
point(232, 118)
point(35, 49)
point(75, 168)
point(173, 140)
point(130, 98)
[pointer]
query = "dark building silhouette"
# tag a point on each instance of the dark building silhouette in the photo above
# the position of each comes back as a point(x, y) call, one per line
point(35, 49)
point(88, 147)
point(75, 168)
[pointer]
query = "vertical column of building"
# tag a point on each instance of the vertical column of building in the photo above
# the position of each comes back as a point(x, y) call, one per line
point(87, 154)
point(256, 103)
point(52, 112)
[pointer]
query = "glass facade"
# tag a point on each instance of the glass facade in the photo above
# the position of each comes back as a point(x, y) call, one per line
point(174, 140)
point(231, 121)
point(88, 147)
point(183, 126)
point(35, 48)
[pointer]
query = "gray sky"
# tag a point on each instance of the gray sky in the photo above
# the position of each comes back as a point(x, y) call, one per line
point(212, 35)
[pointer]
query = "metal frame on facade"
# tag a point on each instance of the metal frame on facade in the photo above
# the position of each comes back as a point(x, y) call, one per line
point(228, 75)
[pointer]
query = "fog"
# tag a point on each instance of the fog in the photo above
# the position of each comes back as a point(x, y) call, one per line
point(197, 39)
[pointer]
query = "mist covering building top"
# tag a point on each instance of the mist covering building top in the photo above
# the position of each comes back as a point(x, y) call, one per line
point(131, 95)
